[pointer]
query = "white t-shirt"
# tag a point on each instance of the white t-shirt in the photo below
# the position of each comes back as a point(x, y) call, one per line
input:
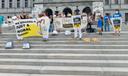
point(45, 21)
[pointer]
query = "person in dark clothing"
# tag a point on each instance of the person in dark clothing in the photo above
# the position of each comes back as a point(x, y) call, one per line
point(89, 25)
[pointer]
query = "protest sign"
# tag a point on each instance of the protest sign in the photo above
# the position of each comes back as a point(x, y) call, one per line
point(26, 28)
point(58, 23)
point(98, 9)
point(116, 22)
point(67, 22)
point(84, 21)
point(76, 21)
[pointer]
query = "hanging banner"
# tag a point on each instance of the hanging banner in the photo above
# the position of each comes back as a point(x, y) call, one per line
point(58, 22)
point(67, 22)
point(116, 22)
point(26, 28)
point(76, 21)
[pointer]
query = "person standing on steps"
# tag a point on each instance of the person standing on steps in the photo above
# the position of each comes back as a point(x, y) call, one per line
point(107, 22)
point(117, 22)
point(100, 24)
point(45, 24)
point(77, 26)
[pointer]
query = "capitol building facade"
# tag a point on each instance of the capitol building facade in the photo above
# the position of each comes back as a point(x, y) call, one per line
point(65, 6)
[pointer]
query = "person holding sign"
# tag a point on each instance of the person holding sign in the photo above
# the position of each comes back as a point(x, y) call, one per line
point(117, 22)
point(77, 26)
point(45, 24)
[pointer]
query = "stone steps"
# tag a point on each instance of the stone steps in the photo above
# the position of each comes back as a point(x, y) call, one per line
point(65, 56)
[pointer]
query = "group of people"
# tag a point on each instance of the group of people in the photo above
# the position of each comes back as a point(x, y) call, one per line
point(46, 23)
point(107, 22)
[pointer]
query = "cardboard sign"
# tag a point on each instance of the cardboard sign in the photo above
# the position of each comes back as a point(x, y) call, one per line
point(67, 22)
point(116, 23)
point(98, 9)
point(76, 21)
point(58, 23)
point(26, 28)
point(84, 21)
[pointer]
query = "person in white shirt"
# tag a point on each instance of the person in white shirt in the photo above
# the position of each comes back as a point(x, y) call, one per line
point(44, 24)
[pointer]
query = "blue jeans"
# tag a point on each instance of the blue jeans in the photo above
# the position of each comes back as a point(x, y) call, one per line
point(106, 27)
point(51, 28)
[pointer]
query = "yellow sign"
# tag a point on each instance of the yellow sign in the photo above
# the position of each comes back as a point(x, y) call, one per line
point(33, 30)
point(76, 26)
point(27, 28)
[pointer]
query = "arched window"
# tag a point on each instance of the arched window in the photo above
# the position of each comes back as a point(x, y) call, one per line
point(87, 10)
point(66, 11)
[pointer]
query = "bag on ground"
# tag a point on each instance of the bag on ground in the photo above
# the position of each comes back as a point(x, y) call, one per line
point(9, 45)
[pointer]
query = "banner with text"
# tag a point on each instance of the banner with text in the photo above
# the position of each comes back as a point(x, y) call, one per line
point(76, 21)
point(67, 22)
point(26, 28)
point(117, 23)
